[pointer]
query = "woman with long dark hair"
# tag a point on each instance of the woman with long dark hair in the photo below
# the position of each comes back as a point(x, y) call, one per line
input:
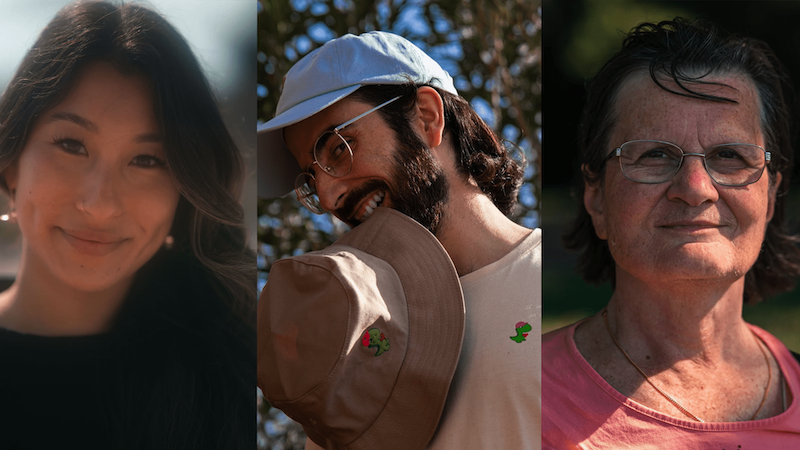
point(131, 320)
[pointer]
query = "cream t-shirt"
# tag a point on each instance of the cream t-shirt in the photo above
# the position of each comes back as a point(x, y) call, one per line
point(495, 397)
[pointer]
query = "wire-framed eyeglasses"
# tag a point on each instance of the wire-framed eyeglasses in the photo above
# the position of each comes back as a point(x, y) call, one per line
point(651, 162)
point(334, 156)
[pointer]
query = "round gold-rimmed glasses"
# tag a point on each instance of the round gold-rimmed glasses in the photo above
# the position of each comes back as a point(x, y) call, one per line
point(334, 156)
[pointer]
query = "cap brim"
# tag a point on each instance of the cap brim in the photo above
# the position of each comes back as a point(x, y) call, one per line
point(277, 168)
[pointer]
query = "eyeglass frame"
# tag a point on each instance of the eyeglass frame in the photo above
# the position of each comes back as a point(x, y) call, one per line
point(303, 197)
point(617, 152)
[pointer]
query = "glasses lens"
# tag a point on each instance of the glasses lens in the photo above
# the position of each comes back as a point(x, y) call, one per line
point(649, 161)
point(735, 164)
point(306, 193)
point(333, 154)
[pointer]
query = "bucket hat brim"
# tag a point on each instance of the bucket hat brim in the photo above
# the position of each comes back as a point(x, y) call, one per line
point(411, 396)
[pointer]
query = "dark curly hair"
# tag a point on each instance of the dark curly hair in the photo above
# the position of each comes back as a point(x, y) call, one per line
point(686, 52)
point(479, 152)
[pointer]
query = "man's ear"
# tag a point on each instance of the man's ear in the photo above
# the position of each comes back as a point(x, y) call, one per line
point(773, 192)
point(593, 202)
point(430, 116)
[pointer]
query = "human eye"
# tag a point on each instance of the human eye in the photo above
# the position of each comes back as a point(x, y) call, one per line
point(148, 161)
point(655, 153)
point(339, 148)
point(649, 154)
point(733, 157)
point(71, 146)
point(726, 153)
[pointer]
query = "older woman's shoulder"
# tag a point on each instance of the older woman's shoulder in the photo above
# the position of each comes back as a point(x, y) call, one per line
point(559, 334)
point(558, 343)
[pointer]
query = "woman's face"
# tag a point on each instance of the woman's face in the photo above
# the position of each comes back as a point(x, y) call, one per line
point(94, 197)
point(688, 227)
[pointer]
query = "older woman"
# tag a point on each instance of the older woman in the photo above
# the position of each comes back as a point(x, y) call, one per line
point(685, 141)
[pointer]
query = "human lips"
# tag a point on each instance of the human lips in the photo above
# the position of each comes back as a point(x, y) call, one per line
point(691, 226)
point(92, 242)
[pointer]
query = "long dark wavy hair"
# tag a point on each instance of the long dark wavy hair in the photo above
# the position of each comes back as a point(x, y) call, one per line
point(479, 152)
point(686, 52)
point(195, 354)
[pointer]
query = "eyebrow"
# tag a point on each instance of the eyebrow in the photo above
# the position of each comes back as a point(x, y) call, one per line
point(73, 118)
point(88, 125)
point(327, 129)
point(148, 138)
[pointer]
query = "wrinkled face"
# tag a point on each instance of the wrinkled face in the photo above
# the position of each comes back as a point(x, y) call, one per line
point(93, 194)
point(400, 175)
point(688, 227)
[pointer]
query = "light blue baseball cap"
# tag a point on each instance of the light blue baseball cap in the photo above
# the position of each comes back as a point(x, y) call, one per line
point(327, 75)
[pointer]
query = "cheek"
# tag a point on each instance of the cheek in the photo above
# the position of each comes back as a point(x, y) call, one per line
point(629, 211)
point(41, 186)
point(373, 163)
point(750, 211)
point(154, 208)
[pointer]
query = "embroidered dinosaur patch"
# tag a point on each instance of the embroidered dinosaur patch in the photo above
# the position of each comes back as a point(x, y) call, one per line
point(374, 338)
point(523, 328)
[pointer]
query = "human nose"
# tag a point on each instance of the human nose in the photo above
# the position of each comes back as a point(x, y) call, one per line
point(99, 197)
point(330, 190)
point(692, 183)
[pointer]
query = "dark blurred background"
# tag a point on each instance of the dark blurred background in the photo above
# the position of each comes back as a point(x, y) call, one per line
point(579, 37)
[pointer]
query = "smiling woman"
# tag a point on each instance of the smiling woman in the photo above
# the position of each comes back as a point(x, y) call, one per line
point(134, 299)
point(93, 194)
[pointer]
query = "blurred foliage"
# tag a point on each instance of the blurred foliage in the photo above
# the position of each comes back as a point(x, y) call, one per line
point(492, 50)
point(597, 33)
point(275, 430)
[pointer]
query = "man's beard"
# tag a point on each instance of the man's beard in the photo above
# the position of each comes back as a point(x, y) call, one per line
point(419, 186)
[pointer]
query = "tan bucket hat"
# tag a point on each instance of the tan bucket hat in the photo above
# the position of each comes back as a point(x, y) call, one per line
point(359, 342)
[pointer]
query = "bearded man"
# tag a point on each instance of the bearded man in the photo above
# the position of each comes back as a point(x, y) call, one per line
point(370, 342)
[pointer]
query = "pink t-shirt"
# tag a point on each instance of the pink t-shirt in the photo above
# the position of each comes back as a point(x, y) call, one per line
point(580, 410)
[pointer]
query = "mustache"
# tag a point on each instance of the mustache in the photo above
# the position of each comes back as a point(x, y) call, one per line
point(355, 196)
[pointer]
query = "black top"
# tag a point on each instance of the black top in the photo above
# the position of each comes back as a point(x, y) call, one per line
point(57, 392)
point(177, 371)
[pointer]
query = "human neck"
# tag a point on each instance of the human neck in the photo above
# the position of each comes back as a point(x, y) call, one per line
point(474, 232)
point(690, 339)
point(40, 303)
point(695, 320)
